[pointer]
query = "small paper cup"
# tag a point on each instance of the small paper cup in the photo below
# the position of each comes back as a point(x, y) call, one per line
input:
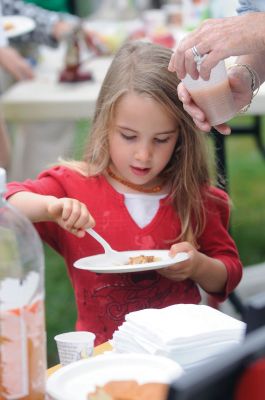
point(74, 346)
point(214, 97)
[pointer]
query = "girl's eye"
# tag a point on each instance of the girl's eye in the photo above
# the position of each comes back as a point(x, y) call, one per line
point(127, 137)
point(162, 140)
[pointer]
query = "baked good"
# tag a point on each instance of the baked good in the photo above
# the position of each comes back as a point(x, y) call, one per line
point(130, 390)
point(142, 259)
point(8, 26)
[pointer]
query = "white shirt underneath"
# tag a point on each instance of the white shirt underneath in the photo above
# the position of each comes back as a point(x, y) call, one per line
point(142, 207)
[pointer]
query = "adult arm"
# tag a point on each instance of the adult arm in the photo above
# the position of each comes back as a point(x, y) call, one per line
point(11, 60)
point(13, 63)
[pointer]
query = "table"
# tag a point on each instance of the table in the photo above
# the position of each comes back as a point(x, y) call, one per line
point(45, 99)
point(98, 350)
point(42, 112)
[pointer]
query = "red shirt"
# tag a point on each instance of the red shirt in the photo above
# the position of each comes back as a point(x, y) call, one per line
point(104, 299)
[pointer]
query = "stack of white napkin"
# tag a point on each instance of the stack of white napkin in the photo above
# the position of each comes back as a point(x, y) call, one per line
point(187, 333)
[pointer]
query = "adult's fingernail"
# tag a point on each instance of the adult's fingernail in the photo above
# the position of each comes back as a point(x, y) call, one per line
point(227, 132)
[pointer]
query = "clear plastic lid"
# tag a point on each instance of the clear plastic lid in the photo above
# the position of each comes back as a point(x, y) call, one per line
point(2, 180)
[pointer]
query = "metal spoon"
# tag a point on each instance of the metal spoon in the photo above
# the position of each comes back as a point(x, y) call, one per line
point(107, 248)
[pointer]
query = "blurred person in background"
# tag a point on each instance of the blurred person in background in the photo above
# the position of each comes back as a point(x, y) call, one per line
point(4, 145)
point(12, 62)
point(51, 26)
point(55, 5)
point(39, 143)
point(241, 36)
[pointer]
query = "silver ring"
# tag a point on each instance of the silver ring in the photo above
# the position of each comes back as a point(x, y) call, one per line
point(196, 55)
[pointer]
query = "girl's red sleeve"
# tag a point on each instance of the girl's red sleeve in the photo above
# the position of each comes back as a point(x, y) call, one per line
point(216, 241)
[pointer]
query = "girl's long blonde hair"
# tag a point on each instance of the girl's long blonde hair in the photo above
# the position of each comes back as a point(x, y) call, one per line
point(142, 68)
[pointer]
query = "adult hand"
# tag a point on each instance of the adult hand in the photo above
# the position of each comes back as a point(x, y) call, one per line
point(219, 39)
point(12, 62)
point(61, 29)
point(240, 83)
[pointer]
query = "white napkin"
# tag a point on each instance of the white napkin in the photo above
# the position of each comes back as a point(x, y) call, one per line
point(187, 333)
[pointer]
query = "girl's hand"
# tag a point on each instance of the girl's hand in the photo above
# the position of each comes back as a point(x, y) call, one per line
point(184, 269)
point(209, 273)
point(71, 215)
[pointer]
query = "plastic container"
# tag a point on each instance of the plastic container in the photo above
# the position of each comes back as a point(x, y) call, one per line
point(22, 328)
point(213, 97)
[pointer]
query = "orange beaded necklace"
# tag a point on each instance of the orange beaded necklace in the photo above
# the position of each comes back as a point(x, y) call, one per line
point(139, 188)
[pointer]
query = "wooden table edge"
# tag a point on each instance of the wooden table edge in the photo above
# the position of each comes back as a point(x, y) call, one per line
point(100, 349)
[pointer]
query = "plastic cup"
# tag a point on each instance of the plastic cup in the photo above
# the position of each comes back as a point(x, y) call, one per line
point(213, 97)
point(74, 346)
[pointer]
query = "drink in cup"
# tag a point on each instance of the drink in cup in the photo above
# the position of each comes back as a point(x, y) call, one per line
point(213, 97)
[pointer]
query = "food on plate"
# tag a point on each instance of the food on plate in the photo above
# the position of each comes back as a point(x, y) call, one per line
point(8, 26)
point(130, 390)
point(142, 259)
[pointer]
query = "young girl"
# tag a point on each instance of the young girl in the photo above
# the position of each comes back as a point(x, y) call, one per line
point(143, 184)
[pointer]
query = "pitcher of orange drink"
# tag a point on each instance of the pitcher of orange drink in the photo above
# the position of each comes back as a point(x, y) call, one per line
point(22, 328)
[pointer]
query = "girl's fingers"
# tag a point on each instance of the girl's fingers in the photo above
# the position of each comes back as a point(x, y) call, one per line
point(71, 215)
point(75, 214)
point(74, 217)
point(85, 220)
point(80, 219)
point(172, 274)
point(78, 232)
point(67, 207)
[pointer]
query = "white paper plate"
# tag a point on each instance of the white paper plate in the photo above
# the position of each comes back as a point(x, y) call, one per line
point(118, 263)
point(76, 380)
point(19, 25)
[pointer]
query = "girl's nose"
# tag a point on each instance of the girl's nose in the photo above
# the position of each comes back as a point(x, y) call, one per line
point(143, 153)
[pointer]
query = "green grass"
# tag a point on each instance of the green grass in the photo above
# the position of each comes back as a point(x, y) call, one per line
point(60, 304)
point(246, 173)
